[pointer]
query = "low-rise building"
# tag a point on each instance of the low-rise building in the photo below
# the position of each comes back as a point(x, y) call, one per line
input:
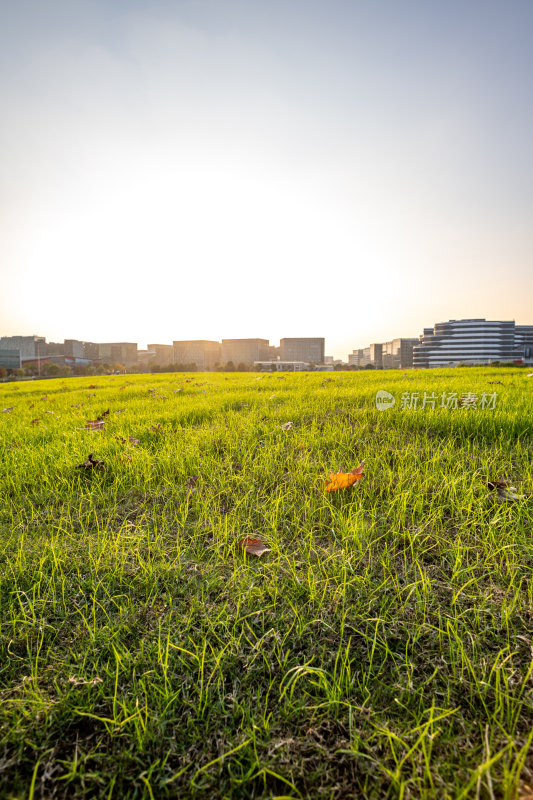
point(308, 349)
point(27, 345)
point(162, 354)
point(10, 359)
point(282, 366)
point(206, 354)
point(245, 351)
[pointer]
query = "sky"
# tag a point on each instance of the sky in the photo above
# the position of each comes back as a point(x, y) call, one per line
point(240, 168)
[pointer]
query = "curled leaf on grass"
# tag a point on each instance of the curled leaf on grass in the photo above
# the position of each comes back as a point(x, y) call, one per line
point(177, 390)
point(92, 386)
point(35, 421)
point(343, 480)
point(91, 463)
point(191, 485)
point(32, 405)
point(103, 414)
point(287, 426)
point(9, 408)
point(505, 491)
point(94, 424)
point(253, 546)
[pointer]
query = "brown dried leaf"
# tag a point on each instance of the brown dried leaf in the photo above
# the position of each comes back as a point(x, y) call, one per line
point(253, 546)
point(91, 463)
point(94, 424)
point(35, 421)
point(287, 426)
point(191, 485)
point(505, 491)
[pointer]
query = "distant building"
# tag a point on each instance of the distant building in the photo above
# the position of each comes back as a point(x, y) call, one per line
point(162, 354)
point(75, 348)
point(10, 359)
point(204, 353)
point(28, 345)
point(246, 351)
point(282, 366)
point(398, 353)
point(355, 359)
point(118, 353)
point(303, 349)
point(472, 341)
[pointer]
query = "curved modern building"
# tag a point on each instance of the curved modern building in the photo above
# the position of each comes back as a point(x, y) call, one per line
point(472, 341)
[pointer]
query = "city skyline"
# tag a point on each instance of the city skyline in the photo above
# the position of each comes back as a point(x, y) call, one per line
point(471, 339)
point(174, 170)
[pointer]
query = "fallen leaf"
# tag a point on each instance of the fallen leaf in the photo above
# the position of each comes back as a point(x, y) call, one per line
point(83, 682)
point(505, 491)
point(287, 426)
point(9, 408)
point(32, 405)
point(253, 546)
point(94, 424)
point(92, 386)
point(342, 480)
point(91, 463)
point(177, 390)
point(155, 428)
point(130, 440)
point(35, 421)
point(191, 485)
point(103, 414)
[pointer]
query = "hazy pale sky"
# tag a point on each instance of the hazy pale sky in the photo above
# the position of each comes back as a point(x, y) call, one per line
point(235, 168)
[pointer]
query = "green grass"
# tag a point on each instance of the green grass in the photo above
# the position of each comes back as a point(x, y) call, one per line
point(383, 648)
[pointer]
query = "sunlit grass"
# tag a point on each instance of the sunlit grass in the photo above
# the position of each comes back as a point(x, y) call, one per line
point(382, 648)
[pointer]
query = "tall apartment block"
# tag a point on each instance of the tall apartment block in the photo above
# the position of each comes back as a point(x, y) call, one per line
point(398, 353)
point(308, 350)
point(471, 341)
point(245, 351)
point(204, 353)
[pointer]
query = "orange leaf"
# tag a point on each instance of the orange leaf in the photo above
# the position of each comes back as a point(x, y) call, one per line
point(253, 547)
point(342, 480)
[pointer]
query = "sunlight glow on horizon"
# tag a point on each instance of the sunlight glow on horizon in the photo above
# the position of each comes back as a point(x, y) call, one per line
point(182, 177)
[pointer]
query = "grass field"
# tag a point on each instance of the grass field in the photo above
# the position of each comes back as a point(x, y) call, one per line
point(382, 648)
